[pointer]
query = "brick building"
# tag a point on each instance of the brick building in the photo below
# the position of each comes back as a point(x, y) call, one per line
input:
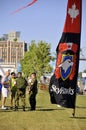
point(12, 52)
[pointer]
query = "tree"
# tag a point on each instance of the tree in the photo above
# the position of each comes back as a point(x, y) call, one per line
point(37, 59)
point(80, 74)
point(15, 39)
point(84, 71)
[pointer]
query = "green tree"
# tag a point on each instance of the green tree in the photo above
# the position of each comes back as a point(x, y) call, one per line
point(15, 39)
point(80, 74)
point(37, 59)
point(84, 71)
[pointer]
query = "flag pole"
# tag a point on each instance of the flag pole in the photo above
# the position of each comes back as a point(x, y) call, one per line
point(74, 109)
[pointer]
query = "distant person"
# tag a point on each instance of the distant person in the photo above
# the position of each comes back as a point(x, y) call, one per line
point(5, 87)
point(12, 87)
point(0, 86)
point(21, 85)
point(77, 89)
point(84, 90)
point(33, 91)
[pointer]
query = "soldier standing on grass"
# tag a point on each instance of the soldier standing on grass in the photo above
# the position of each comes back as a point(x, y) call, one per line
point(21, 85)
point(33, 91)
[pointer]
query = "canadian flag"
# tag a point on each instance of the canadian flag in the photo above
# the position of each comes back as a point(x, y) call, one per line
point(73, 16)
point(63, 83)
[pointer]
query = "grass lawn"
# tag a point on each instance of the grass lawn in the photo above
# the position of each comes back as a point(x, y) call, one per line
point(46, 117)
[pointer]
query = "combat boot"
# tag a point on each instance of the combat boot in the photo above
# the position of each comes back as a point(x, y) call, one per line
point(23, 108)
point(16, 108)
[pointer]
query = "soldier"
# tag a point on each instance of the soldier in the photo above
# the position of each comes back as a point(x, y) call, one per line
point(12, 87)
point(33, 91)
point(21, 85)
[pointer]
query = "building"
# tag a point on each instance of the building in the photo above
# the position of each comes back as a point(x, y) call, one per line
point(12, 52)
point(11, 36)
point(7, 66)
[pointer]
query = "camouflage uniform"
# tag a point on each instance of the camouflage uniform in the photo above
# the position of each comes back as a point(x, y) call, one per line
point(21, 84)
point(33, 92)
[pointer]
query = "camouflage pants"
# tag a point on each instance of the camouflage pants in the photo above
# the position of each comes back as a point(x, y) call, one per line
point(20, 94)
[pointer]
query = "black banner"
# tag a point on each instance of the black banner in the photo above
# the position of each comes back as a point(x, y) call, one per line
point(63, 83)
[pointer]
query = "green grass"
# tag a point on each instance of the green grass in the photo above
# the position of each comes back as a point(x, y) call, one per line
point(46, 117)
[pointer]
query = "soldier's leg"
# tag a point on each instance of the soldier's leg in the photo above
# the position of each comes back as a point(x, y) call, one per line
point(23, 101)
point(14, 95)
point(16, 100)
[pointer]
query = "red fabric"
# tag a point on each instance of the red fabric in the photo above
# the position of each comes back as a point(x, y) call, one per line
point(24, 6)
point(72, 23)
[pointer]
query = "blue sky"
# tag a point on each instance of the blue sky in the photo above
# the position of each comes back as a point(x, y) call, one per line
point(42, 21)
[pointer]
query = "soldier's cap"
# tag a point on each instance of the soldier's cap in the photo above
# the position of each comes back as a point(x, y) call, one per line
point(19, 72)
